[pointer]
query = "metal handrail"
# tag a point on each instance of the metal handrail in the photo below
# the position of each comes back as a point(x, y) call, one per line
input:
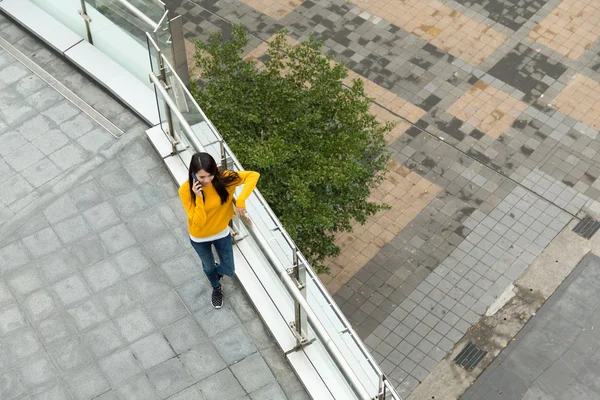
point(320, 331)
point(186, 127)
point(139, 14)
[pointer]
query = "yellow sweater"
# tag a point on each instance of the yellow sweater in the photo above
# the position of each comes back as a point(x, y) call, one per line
point(209, 217)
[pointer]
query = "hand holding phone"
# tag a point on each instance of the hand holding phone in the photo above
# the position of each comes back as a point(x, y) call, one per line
point(197, 186)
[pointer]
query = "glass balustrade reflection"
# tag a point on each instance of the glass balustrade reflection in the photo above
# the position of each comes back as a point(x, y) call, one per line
point(66, 12)
point(121, 34)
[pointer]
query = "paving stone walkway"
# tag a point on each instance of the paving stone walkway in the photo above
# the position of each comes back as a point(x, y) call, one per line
point(101, 295)
point(555, 356)
point(497, 104)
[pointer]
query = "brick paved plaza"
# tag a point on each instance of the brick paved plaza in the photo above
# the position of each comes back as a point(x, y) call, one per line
point(494, 153)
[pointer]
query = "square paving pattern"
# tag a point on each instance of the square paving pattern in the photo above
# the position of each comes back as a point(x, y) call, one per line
point(440, 25)
point(488, 109)
point(580, 100)
point(570, 29)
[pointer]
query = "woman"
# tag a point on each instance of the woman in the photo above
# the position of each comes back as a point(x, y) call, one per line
point(207, 197)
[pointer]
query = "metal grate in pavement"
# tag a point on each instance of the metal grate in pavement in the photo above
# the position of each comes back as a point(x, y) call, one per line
point(470, 356)
point(587, 227)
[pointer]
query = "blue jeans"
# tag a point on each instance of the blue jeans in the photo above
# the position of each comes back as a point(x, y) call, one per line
point(224, 248)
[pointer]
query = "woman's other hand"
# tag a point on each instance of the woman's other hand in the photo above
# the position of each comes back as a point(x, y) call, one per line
point(240, 212)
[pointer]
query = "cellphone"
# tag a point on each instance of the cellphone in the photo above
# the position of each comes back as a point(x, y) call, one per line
point(194, 177)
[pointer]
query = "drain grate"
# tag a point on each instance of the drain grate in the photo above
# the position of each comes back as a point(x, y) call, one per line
point(470, 356)
point(587, 227)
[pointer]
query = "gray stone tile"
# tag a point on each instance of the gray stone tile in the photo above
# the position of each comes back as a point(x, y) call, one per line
point(117, 238)
point(222, 385)
point(119, 299)
point(214, 322)
point(119, 367)
point(195, 294)
point(101, 216)
point(102, 275)
point(42, 242)
point(103, 339)
point(54, 391)
point(11, 141)
point(36, 371)
point(24, 281)
point(87, 383)
point(272, 391)
point(182, 269)
point(71, 290)
point(152, 350)
point(135, 325)
point(70, 355)
point(191, 393)
point(87, 314)
point(68, 156)
point(95, 140)
point(202, 361)
point(138, 388)
point(88, 251)
point(20, 344)
point(11, 318)
point(234, 345)
point(132, 261)
point(55, 330)
point(149, 284)
point(170, 377)
point(185, 334)
point(11, 386)
point(63, 111)
point(17, 113)
point(72, 229)
point(166, 309)
point(164, 247)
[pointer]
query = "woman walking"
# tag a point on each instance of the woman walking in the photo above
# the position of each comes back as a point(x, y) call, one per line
point(207, 198)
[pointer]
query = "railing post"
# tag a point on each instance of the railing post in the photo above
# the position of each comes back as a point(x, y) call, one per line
point(381, 394)
point(234, 232)
point(299, 324)
point(169, 115)
point(87, 19)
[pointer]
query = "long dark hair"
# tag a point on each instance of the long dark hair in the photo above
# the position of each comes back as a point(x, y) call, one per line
point(221, 179)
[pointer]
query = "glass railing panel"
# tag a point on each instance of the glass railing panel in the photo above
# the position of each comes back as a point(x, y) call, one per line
point(341, 337)
point(121, 35)
point(150, 8)
point(66, 12)
point(329, 371)
point(154, 56)
point(268, 277)
point(162, 36)
point(264, 223)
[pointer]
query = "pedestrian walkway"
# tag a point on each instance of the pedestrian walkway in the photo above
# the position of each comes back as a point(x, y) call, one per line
point(495, 151)
point(101, 295)
point(555, 356)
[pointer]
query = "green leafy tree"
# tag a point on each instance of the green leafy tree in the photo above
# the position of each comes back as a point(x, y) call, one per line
point(319, 150)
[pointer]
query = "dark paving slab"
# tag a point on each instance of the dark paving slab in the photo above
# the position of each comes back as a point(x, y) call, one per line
point(555, 356)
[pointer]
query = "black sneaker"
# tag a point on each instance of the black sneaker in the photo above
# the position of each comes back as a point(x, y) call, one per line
point(217, 297)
